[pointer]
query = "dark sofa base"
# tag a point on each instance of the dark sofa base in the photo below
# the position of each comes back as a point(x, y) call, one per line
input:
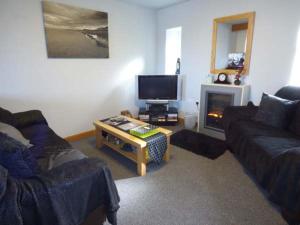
point(291, 218)
point(97, 217)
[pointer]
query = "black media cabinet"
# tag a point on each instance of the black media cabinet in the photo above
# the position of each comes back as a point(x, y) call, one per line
point(159, 116)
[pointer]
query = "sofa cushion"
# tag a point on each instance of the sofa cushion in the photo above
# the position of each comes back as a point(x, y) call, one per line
point(274, 146)
point(44, 140)
point(295, 124)
point(16, 158)
point(275, 111)
point(6, 117)
point(263, 154)
point(252, 128)
point(258, 145)
point(14, 133)
point(28, 118)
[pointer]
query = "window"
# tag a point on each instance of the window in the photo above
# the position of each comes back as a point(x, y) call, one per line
point(173, 49)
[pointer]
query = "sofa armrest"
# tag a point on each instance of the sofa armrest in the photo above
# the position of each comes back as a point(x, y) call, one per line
point(23, 119)
point(88, 179)
point(234, 113)
point(92, 174)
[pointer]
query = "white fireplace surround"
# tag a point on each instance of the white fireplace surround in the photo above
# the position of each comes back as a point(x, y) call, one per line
point(240, 97)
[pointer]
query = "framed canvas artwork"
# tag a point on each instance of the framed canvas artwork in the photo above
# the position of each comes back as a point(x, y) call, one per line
point(73, 32)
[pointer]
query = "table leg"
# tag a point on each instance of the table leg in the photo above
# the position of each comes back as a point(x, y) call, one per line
point(167, 153)
point(141, 161)
point(99, 137)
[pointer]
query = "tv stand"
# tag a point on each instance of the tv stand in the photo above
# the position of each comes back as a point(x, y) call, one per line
point(157, 106)
point(159, 114)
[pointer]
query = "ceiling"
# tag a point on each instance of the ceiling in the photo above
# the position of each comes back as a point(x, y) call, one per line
point(155, 4)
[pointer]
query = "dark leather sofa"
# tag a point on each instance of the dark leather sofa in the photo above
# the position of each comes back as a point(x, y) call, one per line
point(270, 155)
point(82, 191)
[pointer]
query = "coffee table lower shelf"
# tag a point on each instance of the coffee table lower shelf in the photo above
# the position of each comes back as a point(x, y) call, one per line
point(130, 155)
point(139, 157)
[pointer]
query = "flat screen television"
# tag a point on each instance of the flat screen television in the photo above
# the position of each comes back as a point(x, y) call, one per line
point(158, 87)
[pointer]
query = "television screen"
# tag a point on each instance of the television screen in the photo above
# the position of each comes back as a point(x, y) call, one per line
point(162, 87)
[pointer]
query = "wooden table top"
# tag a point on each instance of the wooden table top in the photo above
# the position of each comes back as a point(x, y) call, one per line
point(128, 137)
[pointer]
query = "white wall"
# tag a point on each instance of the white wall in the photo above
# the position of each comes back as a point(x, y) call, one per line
point(276, 26)
point(73, 92)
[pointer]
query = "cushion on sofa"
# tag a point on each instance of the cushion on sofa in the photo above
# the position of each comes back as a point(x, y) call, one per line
point(28, 118)
point(44, 140)
point(275, 111)
point(295, 124)
point(16, 158)
point(6, 117)
point(14, 133)
point(252, 128)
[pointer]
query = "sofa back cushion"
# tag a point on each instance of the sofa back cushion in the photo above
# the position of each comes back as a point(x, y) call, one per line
point(16, 158)
point(14, 133)
point(275, 111)
point(6, 117)
point(289, 92)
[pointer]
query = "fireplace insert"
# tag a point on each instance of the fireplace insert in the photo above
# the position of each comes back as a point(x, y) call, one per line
point(214, 108)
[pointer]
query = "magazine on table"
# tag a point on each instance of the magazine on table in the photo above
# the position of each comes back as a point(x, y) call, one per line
point(115, 120)
point(128, 126)
point(121, 122)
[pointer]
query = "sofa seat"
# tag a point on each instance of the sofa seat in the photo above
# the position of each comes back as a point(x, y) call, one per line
point(251, 128)
point(269, 140)
point(258, 146)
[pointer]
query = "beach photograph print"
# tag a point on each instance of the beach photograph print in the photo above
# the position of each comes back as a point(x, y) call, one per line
point(73, 32)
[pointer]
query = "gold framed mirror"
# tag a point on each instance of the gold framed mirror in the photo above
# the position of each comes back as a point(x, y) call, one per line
point(232, 44)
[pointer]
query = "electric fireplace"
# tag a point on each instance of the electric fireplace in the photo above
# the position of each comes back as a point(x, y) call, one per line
point(214, 99)
point(215, 105)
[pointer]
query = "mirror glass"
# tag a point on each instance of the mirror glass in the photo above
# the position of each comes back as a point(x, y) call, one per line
point(232, 40)
point(231, 45)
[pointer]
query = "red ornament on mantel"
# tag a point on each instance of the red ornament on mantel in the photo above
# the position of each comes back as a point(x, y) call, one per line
point(237, 80)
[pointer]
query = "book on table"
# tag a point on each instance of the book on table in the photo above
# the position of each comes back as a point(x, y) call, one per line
point(144, 131)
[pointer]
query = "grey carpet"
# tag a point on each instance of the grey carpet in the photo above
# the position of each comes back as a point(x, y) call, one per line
point(189, 190)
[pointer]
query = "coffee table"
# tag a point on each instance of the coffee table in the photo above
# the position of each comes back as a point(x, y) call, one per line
point(139, 156)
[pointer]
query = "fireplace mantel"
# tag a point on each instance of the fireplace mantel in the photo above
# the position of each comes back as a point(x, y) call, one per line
point(214, 98)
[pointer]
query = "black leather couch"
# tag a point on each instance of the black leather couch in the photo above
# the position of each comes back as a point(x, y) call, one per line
point(77, 192)
point(270, 154)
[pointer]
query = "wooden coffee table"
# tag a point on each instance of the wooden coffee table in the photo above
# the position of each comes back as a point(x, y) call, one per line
point(139, 156)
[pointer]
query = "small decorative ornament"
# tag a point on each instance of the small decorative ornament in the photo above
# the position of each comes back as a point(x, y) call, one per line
point(178, 66)
point(237, 80)
point(222, 79)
